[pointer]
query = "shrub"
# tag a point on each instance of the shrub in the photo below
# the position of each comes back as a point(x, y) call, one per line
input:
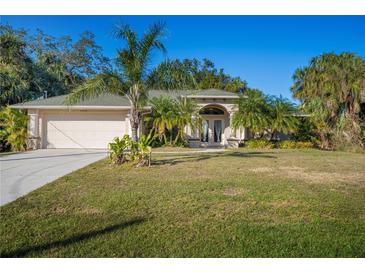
point(305, 144)
point(118, 149)
point(294, 144)
point(259, 144)
point(13, 128)
point(141, 150)
point(286, 144)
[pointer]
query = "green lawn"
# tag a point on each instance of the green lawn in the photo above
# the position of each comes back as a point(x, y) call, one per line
point(240, 203)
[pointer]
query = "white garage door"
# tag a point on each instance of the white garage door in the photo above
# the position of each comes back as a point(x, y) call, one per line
point(83, 130)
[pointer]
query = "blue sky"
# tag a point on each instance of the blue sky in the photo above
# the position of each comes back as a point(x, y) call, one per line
point(263, 50)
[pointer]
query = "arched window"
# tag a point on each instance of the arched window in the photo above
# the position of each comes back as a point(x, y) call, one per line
point(211, 110)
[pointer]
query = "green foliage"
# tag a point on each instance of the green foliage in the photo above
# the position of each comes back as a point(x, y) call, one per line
point(173, 75)
point(331, 89)
point(118, 149)
point(187, 114)
point(193, 74)
point(281, 116)
point(259, 143)
point(264, 115)
point(286, 144)
point(294, 144)
point(13, 128)
point(163, 116)
point(141, 150)
point(31, 65)
point(124, 149)
point(130, 77)
point(15, 66)
point(169, 118)
point(305, 131)
point(252, 112)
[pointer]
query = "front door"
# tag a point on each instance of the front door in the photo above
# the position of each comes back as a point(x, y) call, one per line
point(205, 136)
point(217, 131)
point(212, 131)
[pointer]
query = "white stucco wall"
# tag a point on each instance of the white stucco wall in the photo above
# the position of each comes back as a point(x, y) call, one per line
point(87, 128)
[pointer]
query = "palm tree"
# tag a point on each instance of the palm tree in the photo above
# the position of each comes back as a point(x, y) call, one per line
point(320, 117)
point(131, 79)
point(163, 116)
point(252, 111)
point(282, 119)
point(187, 114)
point(332, 87)
point(15, 67)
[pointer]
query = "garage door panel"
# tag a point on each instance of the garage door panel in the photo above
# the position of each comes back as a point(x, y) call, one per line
point(83, 130)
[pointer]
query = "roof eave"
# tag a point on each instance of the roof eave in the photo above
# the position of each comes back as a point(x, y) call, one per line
point(214, 96)
point(76, 107)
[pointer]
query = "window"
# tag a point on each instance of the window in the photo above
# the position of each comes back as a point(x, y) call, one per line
point(211, 110)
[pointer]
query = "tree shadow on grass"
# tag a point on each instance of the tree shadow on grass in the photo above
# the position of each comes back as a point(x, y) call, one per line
point(205, 156)
point(21, 252)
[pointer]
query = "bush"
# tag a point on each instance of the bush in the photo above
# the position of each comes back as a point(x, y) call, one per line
point(124, 149)
point(305, 145)
point(259, 144)
point(118, 149)
point(294, 144)
point(141, 150)
point(288, 144)
point(13, 129)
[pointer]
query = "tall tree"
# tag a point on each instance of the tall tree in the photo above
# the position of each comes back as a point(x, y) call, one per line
point(321, 118)
point(252, 112)
point(281, 116)
point(15, 66)
point(331, 76)
point(187, 114)
point(171, 117)
point(194, 74)
point(335, 84)
point(131, 77)
point(163, 116)
point(31, 65)
point(62, 64)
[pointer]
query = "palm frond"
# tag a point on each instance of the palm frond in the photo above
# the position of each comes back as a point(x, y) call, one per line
point(94, 87)
point(149, 42)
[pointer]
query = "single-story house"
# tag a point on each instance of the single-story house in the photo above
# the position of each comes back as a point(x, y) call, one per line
point(95, 122)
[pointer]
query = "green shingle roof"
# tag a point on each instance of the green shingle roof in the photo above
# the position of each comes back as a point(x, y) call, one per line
point(105, 100)
point(213, 93)
point(193, 93)
point(116, 101)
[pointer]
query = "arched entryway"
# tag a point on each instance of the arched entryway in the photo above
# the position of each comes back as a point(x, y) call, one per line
point(215, 123)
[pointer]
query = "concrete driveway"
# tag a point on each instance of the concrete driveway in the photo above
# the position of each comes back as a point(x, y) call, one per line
point(22, 173)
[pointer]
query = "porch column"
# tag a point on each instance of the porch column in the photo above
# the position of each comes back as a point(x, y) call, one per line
point(33, 129)
point(33, 123)
point(232, 131)
point(128, 129)
point(190, 132)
